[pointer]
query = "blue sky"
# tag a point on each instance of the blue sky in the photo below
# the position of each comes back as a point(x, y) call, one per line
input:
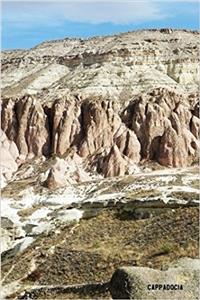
point(28, 23)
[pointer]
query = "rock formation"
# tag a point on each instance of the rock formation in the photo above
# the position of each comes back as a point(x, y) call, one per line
point(180, 282)
point(56, 174)
point(116, 101)
point(75, 111)
point(9, 158)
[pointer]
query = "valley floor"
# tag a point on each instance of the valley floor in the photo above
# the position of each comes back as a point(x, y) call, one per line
point(107, 236)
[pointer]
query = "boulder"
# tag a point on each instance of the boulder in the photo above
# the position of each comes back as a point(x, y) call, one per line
point(180, 281)
point(56, 175)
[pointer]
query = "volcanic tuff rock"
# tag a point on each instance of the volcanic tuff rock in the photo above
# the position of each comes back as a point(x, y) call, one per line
point(9, 156)
point(112, 101)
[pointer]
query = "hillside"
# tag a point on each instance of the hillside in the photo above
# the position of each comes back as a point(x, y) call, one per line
point(99, 160)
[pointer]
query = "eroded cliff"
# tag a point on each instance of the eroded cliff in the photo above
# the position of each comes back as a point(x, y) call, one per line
point(110, 102)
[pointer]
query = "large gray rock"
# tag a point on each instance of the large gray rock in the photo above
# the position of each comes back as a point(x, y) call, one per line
point(180, 281)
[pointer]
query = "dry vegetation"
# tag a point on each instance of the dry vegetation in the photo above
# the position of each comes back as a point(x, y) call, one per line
point(90, 251)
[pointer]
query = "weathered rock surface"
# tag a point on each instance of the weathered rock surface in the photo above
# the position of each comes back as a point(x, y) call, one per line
point(180, 282)
point(113, 101)
point(72, 111)
point(9, 156)
point(159, 125)
point(162, 121)
point(117, 66)
point(55, 176)
point(25, 123)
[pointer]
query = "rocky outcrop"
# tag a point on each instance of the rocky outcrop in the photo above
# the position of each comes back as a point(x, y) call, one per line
point(178, 150)
point(115, 164)
point(89, 127)
point(180, 282)
point(115, 101)
point(25, 123)
point(99, 121)
point(55, 178)
point(9, 158)
point(128, 144)
point(120, 65)
point(165, 126)
point(65, 124)
point(195, 126)
point(63, 172)
point(160, 125)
